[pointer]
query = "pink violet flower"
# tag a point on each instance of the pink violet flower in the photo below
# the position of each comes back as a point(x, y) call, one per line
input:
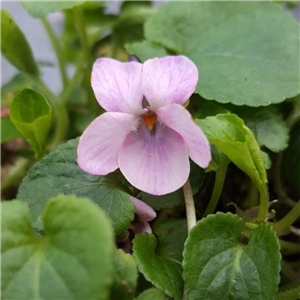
point(146, 132)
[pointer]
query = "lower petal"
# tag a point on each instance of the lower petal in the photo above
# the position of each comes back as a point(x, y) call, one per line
point(179, 119)
point(99, 145)
point(155, 161)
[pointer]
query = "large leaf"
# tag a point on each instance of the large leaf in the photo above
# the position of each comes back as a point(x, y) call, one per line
point(217, 266)
point(246, 52)
point(73, 261)
point(14, 45)
point(159, 259)
point(32, 115)
point(125, 276)
point(229, 133)
point(59, 173)
point(8, 130)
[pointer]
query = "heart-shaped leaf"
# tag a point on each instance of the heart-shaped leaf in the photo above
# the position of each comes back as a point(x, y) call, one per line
point(217, 266)
point(8, 130)
point(59, 173)
point(246, 52)
point(159, 259)
point(73, 261)
point(152, 294)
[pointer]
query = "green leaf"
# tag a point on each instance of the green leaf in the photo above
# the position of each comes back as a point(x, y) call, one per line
point(159, 259)
point(218, 159)
point(125, 276)
point(8, 130)
point(246, 52)
point(229, 133)
point(59, 173)
point(44, 7)
point(196, 177)
point(217, 266)
point(73, 261)
point(267, 125)
point(165, 201)
point(146, 50)
point(32, 115)
point(152, 294)
point(15, 47)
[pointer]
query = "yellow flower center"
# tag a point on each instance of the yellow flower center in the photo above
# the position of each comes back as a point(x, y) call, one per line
point(150, 119)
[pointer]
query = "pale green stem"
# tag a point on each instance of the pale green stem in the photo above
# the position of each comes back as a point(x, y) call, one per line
point(289, 247)
point(60, 114)
point(78, 16)
point(288, 220)
point(72, 83)
point(218, 187)
point(263, 203)
point(189, 205)
point(15, 174)
point(58, 51)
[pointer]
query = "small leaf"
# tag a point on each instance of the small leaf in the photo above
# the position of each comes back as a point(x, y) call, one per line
point(146, 50)
point(229, 133)
point(152, 294)
point(159, 259)
point(15, 47)
point(165, 201)
point(8, 130)
point(267, 125)
point(125, 276)
point(73, 261)
point(238, 62)
point(42, 8)
point(59, 173)
point(217, 266)
point(32, 115)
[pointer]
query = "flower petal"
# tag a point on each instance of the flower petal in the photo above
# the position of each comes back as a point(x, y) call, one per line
point(167, 80)
point(179, 119)
point(99, 145)
point(117, 85)
point(145, 214)
point(155, 161)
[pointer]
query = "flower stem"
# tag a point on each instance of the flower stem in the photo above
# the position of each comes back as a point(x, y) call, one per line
point(57, 49)
point(78, 16)
point(189, 205)
point(218, 187)
point(263, 203)
point(289, 219)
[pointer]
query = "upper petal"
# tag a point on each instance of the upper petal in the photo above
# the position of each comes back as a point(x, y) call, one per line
point(155, 161)
point(179, 119)
point(117, 85)
point(99, 145)
point(167, 80)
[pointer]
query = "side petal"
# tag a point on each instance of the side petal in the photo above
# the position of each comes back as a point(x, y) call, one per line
point(179, 119)
point(99, 145)
point(155, 161)
point(118, 86)
point(167, 80)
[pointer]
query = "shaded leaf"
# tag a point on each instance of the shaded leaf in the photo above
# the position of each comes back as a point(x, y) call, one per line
point(58, 173)
point(159, 259)
point(152, 294)
point(14, 45)
point(8, 130)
